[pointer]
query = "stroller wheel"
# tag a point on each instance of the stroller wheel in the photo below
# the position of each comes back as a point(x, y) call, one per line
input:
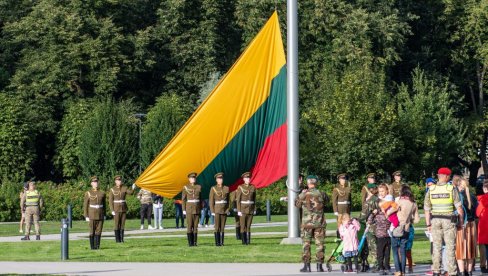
point(329, 267)
point(343, 268)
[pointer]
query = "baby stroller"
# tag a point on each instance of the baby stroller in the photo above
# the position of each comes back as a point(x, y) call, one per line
point(362, 244)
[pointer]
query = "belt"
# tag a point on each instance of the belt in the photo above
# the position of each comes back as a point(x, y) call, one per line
point(96, 206)
point(31, 205)
point(193, 201)
point(247, 202)
point(343, 202)
point(221, 202)
point(442, 216)
point(119, 201)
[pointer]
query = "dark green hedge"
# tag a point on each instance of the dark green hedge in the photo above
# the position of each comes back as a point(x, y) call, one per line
point(57, 197)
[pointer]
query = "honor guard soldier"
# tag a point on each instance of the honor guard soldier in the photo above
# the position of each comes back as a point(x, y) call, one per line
point(219, 206)
point(191, 196)
point(118, 206)
point(246, 207)
point(94, 211)
point(236, 215)
point(341, 199)
point(396, 185)
point(312, 202)
point(441, 200)
point(371, 203)
point(371, 178)
point(32, 203)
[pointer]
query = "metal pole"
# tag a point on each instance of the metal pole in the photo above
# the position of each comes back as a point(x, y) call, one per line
point(64, 240)
point(292, 113)
point(140, 145)
point(268, 210)
point(70, 216)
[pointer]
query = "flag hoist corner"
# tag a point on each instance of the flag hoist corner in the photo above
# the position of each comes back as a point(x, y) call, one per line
point(241, 126)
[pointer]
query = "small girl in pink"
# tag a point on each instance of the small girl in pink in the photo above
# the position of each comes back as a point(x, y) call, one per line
point(348, 231)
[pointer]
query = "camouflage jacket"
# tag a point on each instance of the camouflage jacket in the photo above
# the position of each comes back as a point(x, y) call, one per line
point(368, 207)
point(312, 202)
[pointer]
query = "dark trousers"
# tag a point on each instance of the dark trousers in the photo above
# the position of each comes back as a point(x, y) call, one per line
point(179, 215)
point(119, 220)
point(383, 247)
point(146, 212)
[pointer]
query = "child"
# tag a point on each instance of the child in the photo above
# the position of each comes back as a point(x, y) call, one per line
point(348, 231)
point(390, 209)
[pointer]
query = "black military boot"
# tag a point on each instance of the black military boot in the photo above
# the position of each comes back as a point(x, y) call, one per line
point(189, 236)
point(306, 268)
point(121, 236)
point(244, 237)
point(217, 236)
point(221, 238)
point(248, 240)
point(97, 241)
point(38, 237)
point(25, 238)
point(195, 238)
point(117, 235)
point(238, 233)
point(320, 268)
point(92, 246)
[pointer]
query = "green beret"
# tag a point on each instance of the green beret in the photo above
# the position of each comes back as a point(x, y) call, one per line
point(311, 176)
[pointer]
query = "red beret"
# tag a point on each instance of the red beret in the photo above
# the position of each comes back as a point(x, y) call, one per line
point(445, 171)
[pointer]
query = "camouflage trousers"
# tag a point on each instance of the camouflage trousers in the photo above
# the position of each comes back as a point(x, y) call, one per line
point(444, 230)
point(318, 234)
point(371, 239)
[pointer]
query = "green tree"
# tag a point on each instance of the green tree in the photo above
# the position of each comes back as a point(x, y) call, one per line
point(109, 140)
point(163, 121)
point(432, 134)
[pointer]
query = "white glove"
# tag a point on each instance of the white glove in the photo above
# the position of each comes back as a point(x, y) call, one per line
point(87, 219)
point(113, 213)
point(184, 213)
point(254, 213)
point(133, 186)
point(336, 214)
point(239, 214)
point(235, 210)
point(228, 213)
point(213, 214)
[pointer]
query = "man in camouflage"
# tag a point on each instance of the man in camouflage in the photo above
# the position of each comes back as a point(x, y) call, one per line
point(440, 203)
point(312, 202)
point(371, 203)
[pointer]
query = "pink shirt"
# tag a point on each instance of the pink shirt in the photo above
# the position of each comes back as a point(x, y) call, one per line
point(349, 235)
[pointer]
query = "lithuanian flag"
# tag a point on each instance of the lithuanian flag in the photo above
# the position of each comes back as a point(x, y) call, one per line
point(240, 127)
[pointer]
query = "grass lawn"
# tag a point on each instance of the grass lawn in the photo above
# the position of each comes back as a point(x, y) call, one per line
point(264, 249)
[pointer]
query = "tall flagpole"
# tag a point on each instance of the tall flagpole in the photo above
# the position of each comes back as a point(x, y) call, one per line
point(292, 120)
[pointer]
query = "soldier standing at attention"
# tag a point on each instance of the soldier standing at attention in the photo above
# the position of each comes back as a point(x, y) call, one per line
point(371, 177)
point(191, 196)
point(396, 185)
point(246, 207)
point(145, 197)
point(32, 203)
point(371, 204)
point(312, 202)
point(236, 216)
point(219, 206)
point(439, 205)
point(118, 206)
point(94, 211)
point(341, 199)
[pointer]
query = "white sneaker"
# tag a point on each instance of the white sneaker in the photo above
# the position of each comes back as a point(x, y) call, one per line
point(142, 227)
point(200, 226)
point(161, 227)
point(21, 231)
point(206, 225)
point(150, 227)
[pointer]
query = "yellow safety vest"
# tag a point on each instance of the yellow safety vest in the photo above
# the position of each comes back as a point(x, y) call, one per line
point(32, 198)
point(441, 199)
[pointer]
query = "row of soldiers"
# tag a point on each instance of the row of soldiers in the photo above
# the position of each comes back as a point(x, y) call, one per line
point(243, 203)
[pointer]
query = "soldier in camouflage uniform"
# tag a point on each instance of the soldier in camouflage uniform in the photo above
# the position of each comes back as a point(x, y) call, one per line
point(440, 203)
point(312, 201)
point(371, 204)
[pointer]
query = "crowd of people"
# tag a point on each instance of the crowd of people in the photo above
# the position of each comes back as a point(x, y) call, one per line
point(454, 219)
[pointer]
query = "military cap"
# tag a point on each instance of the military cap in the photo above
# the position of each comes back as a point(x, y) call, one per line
point(342, 175)
point(118, 177)
point(399, 173)
point(311, 176)
point(219, 175)
point(192, 174)
point(445, 171)
point(94, 179)
point(371, 175)
point(246, 174)
point(372, 185)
